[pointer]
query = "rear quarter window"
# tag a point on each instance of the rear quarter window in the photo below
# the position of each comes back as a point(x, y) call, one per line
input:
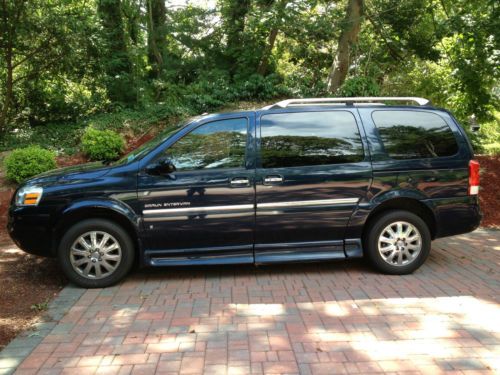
point(414, 134)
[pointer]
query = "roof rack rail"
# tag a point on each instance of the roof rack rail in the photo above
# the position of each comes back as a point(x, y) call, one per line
point(352, 100)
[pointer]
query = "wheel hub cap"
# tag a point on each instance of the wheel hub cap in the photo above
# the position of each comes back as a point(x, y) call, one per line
point(399, 243)
point(95, 255)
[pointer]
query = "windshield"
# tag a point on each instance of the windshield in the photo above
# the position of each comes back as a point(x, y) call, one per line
point(145, 148)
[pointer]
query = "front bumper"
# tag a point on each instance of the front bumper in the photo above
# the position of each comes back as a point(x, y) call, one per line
point(30, 229)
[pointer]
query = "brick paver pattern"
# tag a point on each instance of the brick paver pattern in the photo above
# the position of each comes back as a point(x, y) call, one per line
point(328, 318)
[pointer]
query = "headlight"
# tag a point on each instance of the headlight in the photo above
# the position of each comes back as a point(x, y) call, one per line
point(29, 196)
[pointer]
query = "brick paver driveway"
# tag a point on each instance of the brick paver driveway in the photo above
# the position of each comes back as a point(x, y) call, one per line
point(328, 318)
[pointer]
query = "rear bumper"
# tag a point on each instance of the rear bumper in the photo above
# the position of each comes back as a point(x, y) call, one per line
point(456, 215)
point(31, 231)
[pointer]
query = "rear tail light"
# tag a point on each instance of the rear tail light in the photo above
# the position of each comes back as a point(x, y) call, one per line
point(473, 177)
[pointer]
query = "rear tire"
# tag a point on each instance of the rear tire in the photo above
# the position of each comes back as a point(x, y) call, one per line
point(96, 253)
point(397, 242)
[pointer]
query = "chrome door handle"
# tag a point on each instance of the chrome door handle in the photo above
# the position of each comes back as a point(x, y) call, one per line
point(240, 182)
point(272, 179)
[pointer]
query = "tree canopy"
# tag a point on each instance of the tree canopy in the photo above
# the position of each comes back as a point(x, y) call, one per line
point(62, 60)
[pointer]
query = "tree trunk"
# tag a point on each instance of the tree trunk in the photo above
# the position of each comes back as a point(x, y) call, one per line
point(132, 13)
point(348, 36)
point(156, 34)
point(117, 60)
point(264, 62)
point(9, 83)
point(235, 14)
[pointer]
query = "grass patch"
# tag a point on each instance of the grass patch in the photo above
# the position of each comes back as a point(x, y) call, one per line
point(42, 306)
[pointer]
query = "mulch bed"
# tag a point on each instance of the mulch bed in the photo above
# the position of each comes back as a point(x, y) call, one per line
point(489, 193)
point(28, 282)
point(133, 143)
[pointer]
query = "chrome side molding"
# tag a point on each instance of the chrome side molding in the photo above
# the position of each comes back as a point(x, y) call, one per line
point(241, 207)
point(320, 202)
point(235, 207)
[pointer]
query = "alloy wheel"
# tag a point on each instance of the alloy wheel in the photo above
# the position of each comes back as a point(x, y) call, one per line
point(95, 255)
point(399, 243)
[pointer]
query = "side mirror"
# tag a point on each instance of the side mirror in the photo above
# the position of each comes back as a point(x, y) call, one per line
point(162, 166)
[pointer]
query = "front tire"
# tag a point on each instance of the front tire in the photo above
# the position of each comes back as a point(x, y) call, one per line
point(96, 253)
point(398, 242)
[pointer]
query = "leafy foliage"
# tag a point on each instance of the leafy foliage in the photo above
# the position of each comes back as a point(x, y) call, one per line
point(102, 144)
point(487, 139)
point(127, 64)
point(117, 65)
point(48, 55)
point(360, 86)
point(27, 162)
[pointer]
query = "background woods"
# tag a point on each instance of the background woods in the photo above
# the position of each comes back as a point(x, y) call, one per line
point(129, 64)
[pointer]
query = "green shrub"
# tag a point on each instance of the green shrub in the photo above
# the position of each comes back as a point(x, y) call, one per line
point(492, 149)
point(24, 163)
point(487, 139)
point(216, 91)
point(103, 145)
point(261, 88)
point(359, 86)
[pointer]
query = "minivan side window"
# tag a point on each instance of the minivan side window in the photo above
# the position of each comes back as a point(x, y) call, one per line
point(217, 144)
point(309, 138)
point(414, 134)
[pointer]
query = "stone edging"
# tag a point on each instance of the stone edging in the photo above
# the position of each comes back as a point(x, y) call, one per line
point(21, 347)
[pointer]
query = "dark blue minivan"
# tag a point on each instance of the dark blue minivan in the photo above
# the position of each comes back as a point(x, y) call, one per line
point(299, 180)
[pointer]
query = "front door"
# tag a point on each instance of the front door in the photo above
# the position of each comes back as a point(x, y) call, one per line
point(311, 173)
point(204, 211)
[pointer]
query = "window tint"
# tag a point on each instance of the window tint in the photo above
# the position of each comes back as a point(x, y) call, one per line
point(309, 138)
point(414, 134)
point(218, 144)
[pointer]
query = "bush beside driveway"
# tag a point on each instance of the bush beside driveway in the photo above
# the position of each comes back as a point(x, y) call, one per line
point(336, 317)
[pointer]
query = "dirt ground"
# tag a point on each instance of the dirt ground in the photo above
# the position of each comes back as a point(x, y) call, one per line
point(28, 282)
